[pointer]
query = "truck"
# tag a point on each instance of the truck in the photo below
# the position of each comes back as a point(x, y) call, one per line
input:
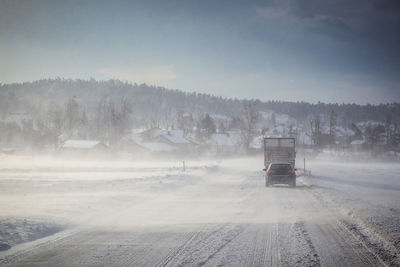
point(279, 151)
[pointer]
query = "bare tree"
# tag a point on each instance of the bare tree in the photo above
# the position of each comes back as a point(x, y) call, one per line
point(221, 128)
point(112, 119)
point(273, 119)
point(390, 130)
point(250, 119)
point(55, 122)
point(315, 125)
point(332, 126)
point(208, 124)
point(71, 114)
point(374, 135)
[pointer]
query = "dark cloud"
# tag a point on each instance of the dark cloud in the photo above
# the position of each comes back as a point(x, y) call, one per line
point(370, 19)
point(368, 28)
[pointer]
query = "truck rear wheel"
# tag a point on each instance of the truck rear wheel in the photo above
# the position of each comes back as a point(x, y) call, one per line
point(267, 184)
point(293, 184)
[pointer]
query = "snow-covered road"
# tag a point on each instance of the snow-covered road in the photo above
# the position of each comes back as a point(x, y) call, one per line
point(158, 215)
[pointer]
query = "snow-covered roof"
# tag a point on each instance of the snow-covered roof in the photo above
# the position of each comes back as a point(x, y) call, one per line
point(364, 124)
point(219, 117)
point(81, 144)
point(174, 136)
point(357, 142)
point(157, 147)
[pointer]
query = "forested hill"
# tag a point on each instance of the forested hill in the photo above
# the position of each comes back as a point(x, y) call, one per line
point(152, 102)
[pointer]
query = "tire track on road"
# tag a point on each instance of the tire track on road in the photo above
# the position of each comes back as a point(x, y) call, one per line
point(344, 236)
point(176, 254)
point(202, 246)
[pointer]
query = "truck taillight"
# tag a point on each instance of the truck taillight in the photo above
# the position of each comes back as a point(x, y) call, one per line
point(270, 171)
point(291, 171)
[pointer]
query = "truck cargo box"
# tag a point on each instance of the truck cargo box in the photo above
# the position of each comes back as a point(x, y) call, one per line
point(279, 150)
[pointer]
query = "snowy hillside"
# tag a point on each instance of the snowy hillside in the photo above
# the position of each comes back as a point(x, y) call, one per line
point(188, 123)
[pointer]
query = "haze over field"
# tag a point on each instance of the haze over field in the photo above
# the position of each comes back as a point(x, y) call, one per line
point(135, 213)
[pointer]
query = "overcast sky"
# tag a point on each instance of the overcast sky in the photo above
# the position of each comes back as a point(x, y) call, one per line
point(309, 50)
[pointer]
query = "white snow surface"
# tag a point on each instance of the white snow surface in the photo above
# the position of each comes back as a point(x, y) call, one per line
point(83, 192)
point(125, 195)
point(368, 192)
point(76, 190)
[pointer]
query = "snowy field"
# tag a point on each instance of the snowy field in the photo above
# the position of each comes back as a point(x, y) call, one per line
point(213, 213)
point(90, 192)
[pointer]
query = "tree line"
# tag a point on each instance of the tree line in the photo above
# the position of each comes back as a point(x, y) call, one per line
point(106, 110)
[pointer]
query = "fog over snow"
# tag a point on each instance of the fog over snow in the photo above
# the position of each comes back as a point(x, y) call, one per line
point(123, 196)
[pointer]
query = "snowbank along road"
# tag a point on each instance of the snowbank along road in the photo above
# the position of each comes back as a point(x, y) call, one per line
point(213, 214)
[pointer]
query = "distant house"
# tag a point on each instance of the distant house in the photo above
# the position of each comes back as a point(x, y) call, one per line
point(74, 146)
point(172, 138)
point(137, 143)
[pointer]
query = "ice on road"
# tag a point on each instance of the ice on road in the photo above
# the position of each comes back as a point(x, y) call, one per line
point(212, 214)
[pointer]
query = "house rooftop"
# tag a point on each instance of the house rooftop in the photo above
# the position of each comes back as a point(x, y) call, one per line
point(357, 142)
point(174, 136)
point(80, 144)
